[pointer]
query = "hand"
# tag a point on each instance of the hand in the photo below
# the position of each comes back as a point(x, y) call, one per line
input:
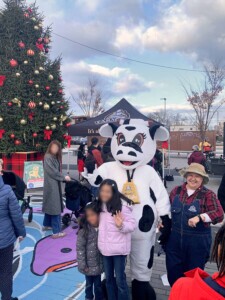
point(20, 238)
point(118, 219)
point(67, 178)
point(193, 221)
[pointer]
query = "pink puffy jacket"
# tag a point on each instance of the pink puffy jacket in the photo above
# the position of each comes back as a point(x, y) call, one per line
point(111, 240)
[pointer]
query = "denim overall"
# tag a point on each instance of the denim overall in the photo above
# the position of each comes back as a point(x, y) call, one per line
point(188, 247)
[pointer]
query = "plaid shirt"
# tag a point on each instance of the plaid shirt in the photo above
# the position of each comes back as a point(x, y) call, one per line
point(209, 204)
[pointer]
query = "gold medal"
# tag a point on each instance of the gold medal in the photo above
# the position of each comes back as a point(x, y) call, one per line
point(130, 191)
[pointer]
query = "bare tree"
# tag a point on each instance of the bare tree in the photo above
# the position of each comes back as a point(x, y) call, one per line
point(89, 99)
point(205, 98)
point(172, 118)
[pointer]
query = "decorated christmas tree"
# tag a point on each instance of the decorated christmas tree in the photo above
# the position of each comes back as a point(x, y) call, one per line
point(33, 110)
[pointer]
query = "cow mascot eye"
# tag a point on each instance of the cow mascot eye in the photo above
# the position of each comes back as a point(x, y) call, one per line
point(120, 138)
point(139, 139)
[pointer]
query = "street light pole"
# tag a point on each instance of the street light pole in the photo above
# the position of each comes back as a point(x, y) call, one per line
point(164, 99)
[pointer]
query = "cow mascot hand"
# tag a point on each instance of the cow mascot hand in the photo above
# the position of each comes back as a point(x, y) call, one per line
point(133, 145)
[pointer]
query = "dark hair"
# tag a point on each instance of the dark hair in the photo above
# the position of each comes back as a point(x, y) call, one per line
point(115, 204)
point(49, 149)
point(94, 141)
point(83, 223)
point(219, 257)
point(81, 147)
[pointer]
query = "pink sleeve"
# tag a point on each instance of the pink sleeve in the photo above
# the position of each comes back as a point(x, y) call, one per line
point(129, 222)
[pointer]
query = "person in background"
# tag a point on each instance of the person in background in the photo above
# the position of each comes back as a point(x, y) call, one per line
point(196, 156)
point(106, 151)
point(81, 159)
point(11, 228)
point(156, 162)
point(114, 240)
point(199, 285)
point(95, 150)
point(165, 148)
point(88, 256)
point(193, 209)
point(221, 192)
point(52, 194)
point(205, 146)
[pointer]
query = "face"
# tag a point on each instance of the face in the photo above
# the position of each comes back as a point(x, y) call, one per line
point(54, 149)
point(105, 193)
point(194, 181)
point(92, 217)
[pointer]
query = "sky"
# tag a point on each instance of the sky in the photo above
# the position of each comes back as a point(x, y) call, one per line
point(181, 34)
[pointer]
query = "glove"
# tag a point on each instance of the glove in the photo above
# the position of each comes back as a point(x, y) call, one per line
point(165, 230)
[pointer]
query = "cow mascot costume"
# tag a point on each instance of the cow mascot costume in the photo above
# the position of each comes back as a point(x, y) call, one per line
point(133, 145)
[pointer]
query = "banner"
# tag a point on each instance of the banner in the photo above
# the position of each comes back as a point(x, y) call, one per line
point(33, 174)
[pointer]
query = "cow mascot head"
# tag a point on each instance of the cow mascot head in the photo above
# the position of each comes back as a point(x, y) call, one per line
point(134, 142)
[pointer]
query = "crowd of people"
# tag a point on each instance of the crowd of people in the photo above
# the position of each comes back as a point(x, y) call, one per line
point(105, 228)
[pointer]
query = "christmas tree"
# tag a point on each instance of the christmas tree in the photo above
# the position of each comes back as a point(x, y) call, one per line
point(33, 110)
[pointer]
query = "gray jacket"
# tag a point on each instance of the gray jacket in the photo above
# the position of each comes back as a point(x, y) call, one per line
point(88, 256)
point(52, 195)
point(11, 219)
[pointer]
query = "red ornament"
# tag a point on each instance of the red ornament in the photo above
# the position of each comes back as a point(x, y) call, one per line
point(47, 88)
point(60, 91)
point(30, 82)
point(2, 131)
point(13, 63)
point(29, 10)
point(26, 15)
point(35, 134)
point(68, 124)
point(17, 142)
point(46, 40)
point(9, 104)
point(40, 46)
point(12, 136)
point(31, 104)
point(68, 138)
point(30, 52)
point(61, 107)
point(47, 134)
point(31, 116)
point(39, 40)
point(21, 45)
point(60, 78)
point(2, 80)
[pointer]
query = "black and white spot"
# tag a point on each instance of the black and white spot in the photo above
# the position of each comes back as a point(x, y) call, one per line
point(150, 262)
point(147, 219)
point(98, 180)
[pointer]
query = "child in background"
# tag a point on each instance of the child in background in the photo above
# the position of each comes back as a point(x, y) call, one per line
point(88, 256)
point(114, 241)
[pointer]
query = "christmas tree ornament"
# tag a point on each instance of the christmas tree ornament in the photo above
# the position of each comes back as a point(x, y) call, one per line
point(39, 40)
point(17, 74)
point(36, 72)
point(36, 86)
point(46, 40)
point(25, 62)
point(60, 78)
point(60, 91)
point(30, 52)
point(68, 138)
point(41, 68)
point(58, 102)
point(46, 50)
point(68, 124)
point(30, 82)
point(13, 63)
point(50, 94)
point(41, 54)
point(40, 25)
point(47, 127)
point(61, 107)
point(32, 105)
point(40, 46)
point(55, 119)
point(2, 80)
point(30, 10)
point(53, 103)
point(40, 103)
point(50, 77)
point(17, 142)
point(47, 88)
point(16, 101)
point(39, 94)
point(34, 134)
point(9, 104)
point(21, 45)
point(23, 122)
point(31, 116)
point(33, 19)
point(12, 135)
point(2, 132)
point(36, 27)
point(1, 119)
point(46, 106)
point(62, 119)
point(53, 126)
point(26, 15)
point(47, 134)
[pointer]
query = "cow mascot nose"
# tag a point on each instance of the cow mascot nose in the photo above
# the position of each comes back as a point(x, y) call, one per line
point(133, 145)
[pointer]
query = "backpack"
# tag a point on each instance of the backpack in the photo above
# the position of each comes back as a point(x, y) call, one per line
point(90, 163)
point(215, 286)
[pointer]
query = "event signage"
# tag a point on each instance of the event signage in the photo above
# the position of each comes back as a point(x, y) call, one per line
point(33, 174)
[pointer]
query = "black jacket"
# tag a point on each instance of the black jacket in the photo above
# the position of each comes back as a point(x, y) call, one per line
point(221, 192)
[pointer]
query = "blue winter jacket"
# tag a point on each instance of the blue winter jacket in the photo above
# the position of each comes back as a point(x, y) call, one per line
point(11, 219)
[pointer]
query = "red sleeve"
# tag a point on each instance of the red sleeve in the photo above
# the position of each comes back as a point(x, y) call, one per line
point(213, 207)
point(98, 157)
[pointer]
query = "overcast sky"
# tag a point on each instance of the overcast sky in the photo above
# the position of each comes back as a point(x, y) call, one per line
point(172, 33)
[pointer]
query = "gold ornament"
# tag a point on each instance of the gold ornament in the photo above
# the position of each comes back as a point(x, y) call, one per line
point(25, 62)
point(36, 27)
point(40, 24)
point(47, 127)
point(50, 77)
point(1, 119)
point(38, 94)
point(55, 119)
point(53, 103)
point(17, 74)
point(53, 126)
point(62, 119)
point(40, 103)
point(37, 86)
point(41, 68)
point(41, 54)
point(16, 101)
point(36, 72)
point(46, 106)
point(50, 94)
point(23, 122)
point(33, 19)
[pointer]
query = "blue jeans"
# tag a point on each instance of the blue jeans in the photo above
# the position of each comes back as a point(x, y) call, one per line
point(116, 289)
point(96, 283)
point(53, 221)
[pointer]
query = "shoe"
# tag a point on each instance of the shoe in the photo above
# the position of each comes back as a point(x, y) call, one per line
point(59, 235)
point(46, 228)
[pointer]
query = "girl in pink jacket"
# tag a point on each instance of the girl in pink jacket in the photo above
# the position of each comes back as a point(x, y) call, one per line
point(114, 239)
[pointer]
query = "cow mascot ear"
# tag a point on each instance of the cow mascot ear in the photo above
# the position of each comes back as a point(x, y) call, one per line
point(159, 133)
point(108, 130)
